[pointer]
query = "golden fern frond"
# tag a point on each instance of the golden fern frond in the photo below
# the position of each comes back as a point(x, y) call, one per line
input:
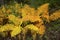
point(6, 27)
point(41, 28)
point(15, 20)
point(14, 29)
point(55, 15)
point(43, 11)
point(31, 18)
point(17, 30)
point(31, 27)
point(25, 10)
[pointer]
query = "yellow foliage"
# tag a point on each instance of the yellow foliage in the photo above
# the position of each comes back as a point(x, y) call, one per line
point(28, 14)
point(55, 15)
point(31, 18)
point(43, 9)
point(16, 31)
point(41, 28)
point(38, 29)
point(15, 19)
point(9, 27)
point(6, 27)
point(32, 27)
point(27, 10)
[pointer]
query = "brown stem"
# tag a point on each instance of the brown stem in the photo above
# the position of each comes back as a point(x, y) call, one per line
point(24, 34)
point(33, 35)
point(19, 37)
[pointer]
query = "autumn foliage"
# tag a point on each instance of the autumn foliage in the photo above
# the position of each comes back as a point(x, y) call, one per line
point(17, 14)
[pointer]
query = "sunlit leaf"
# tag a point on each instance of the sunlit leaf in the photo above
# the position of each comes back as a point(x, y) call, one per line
point(32, 27)
point(6, 27)
point(16, 31)
point(9, 27)
point(55, 15)
point(43, 9)
point(31, 18)
point(15, 20)
point(25, 10)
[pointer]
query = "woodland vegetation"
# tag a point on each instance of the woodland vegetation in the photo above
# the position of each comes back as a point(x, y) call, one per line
point(29, 19)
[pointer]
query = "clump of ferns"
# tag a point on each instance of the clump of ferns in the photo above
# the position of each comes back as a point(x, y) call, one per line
point(52, 17)
point(34, 16)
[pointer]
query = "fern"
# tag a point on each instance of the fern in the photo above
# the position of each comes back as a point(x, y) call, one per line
point(31, 27)
point(15, 20)
point(17, 30)
point(55, 15)
point(9, 27)
point(28, 14)
point(43, 9)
